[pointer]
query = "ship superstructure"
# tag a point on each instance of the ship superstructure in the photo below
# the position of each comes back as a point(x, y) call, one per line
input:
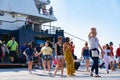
point(24, 19)
point(16, 14)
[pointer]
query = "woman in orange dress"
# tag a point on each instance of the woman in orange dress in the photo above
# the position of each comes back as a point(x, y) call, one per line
point(68, 57)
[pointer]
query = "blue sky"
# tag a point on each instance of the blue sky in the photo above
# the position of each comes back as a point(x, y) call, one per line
point(78, 16)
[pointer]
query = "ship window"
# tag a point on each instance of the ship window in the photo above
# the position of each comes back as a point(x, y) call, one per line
point(1, 13)
point(0, 22)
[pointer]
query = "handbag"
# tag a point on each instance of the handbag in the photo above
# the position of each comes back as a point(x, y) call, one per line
point(95, 53)
point(9, 47)
point(55, 61)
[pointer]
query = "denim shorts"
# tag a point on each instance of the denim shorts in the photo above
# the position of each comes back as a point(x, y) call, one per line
point(47, 57)
point(86, 57)
point(29, 58)
point(60, 57)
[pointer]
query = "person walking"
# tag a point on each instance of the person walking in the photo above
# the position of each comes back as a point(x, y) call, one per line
point(46, 55)
point(39, 61)
point(106, 57)
point(30, 53)
point(73, 47)
point(94, 52)
point(59, 56)
point(68, 57)
point(112, 58)
point(1, 52)
point(86, 55)
point(22, 49)
point(118, 56)
point(13, 47)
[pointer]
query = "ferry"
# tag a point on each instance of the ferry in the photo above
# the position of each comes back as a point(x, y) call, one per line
point(27, 20)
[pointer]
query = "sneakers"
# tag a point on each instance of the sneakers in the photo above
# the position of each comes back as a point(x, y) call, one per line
point(91, 74)
point(107, 72)
point(97, 76)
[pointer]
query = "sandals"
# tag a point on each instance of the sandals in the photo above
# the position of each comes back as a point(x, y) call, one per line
point(72, 74)
point(88, 70)
point(69, 75)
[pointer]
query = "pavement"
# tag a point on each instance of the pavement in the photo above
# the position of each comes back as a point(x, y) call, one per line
point(37, 74)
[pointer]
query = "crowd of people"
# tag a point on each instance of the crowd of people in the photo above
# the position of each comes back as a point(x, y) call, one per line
point(8, 51)
point(42, 9)
point(63, 56)
point(43, 56)
point(106, 55)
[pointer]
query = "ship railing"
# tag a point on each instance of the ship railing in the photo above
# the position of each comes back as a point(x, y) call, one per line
point(41, 7)
point(42, 1)
point(50, 29)
point(11, 21)
point(47, 12)
point(17, 23)
point(43, 28)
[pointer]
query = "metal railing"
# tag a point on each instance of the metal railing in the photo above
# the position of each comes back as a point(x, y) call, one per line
point(43, 28)
point(51, 29)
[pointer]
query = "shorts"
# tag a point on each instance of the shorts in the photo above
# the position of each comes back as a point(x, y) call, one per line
point(37, 58)
point(47, 57)
point(86, 57)
point(60, 57)
point(13, 54)
point(119, 59)
point(111, 59)
point(30, 58)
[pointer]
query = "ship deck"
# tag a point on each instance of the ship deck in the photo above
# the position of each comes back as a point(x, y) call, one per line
point(12, 65)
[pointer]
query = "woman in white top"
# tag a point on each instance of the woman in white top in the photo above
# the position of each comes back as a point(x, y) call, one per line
point(94, 52)
point(106, 56)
